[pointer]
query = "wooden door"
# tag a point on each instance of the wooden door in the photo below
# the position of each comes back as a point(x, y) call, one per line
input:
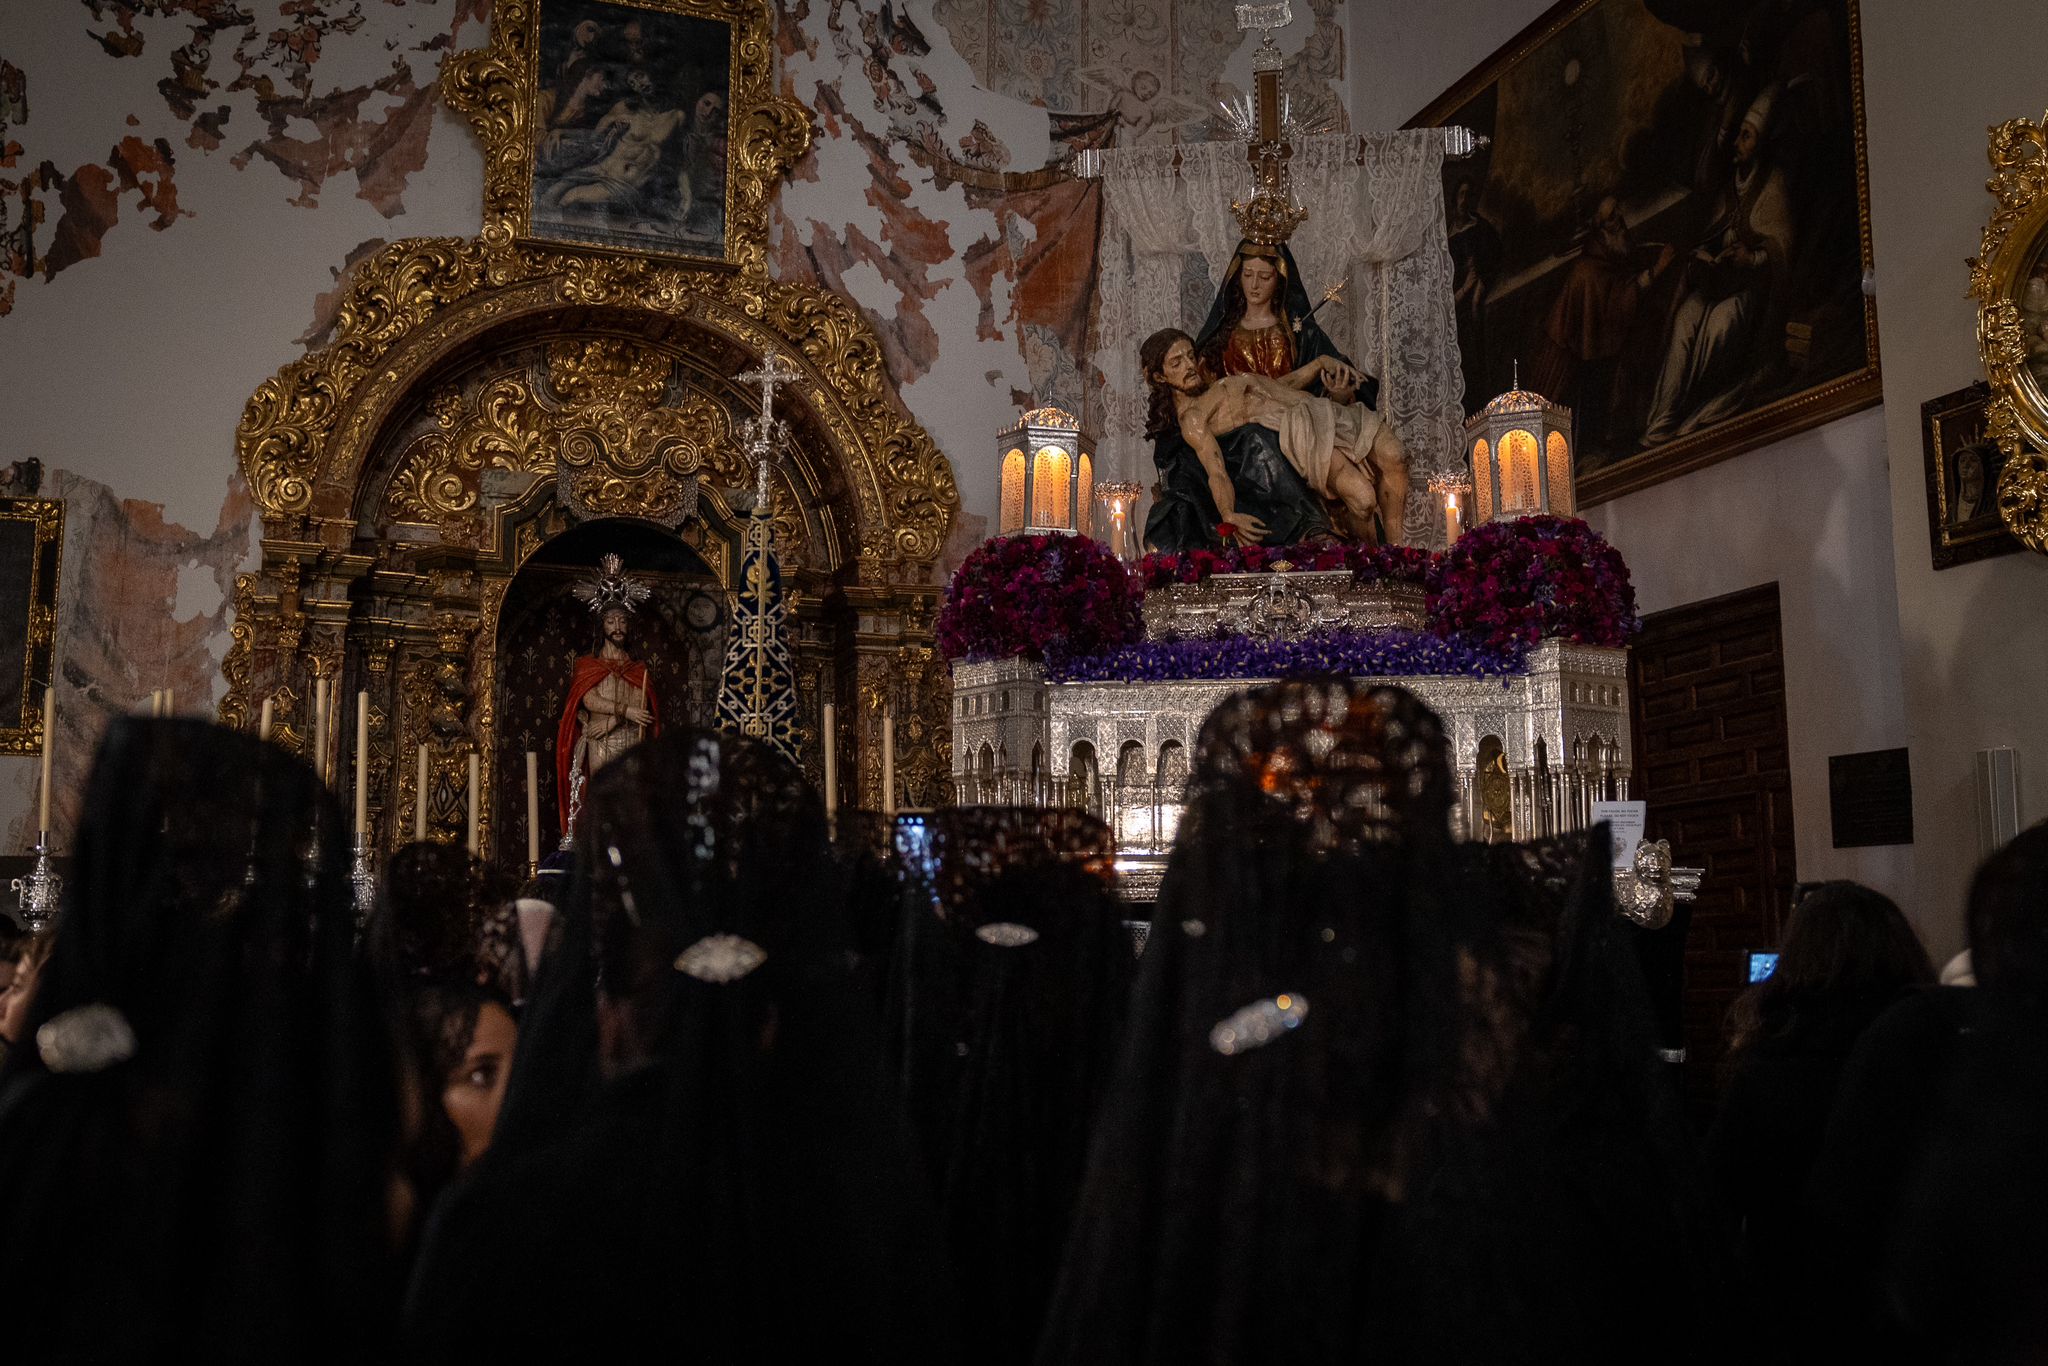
point(1712, 763)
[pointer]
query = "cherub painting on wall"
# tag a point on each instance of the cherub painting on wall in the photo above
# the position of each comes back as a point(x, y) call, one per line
point(629, 123)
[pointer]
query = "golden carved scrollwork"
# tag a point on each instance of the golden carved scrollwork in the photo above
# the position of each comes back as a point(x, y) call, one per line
point(309, 426)
point(601, 419)
point(2014, 242)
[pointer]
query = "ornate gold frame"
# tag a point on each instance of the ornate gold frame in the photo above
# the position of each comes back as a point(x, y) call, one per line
point(2013, 240)
point(496, 87)
point(23, 734)
point(406, 606)
point(1836, 398)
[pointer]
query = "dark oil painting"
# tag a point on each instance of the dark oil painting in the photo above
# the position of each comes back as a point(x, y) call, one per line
point(1667, 233)
point(630, 128)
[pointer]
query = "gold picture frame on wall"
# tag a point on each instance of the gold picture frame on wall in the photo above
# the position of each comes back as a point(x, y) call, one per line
point(2009, 280)
point(1963, 465)
point(646, 127)
point(1669, 232)
point(31, 546)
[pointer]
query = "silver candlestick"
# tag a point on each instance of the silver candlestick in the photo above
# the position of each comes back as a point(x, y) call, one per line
point(38, 892)
point(362, 876)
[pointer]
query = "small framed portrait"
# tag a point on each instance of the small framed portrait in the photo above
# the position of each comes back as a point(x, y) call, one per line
point(629, 117)
point(31, 543)
point(1963, 465)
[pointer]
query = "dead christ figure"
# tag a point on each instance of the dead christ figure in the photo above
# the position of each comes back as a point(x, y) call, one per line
point(1345, 453)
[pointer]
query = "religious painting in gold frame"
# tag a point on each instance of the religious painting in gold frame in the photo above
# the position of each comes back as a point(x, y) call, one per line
point(31, 546)
point(1670, 229)
point(2009, 279)
point(1963, 465)
point(628, 107)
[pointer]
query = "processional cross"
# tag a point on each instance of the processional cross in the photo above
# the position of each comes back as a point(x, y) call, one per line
point(1264, 121)
point(757, 687)
point(766, 433)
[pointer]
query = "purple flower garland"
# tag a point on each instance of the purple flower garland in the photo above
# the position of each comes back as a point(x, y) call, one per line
point(1502, 588)
point(1372, 654)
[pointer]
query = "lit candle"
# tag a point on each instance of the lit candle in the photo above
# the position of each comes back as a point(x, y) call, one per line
point(419, 799)
point(889, 763)
point(475, 780)
point(1454, 519)
point(263, 721)
point(49, 748)
point(320, 727)
point(831, 761)
point(362, 765)
point(532, 810)
point(169, 709)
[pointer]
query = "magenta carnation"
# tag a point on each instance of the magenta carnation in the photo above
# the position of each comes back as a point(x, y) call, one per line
point(1020, 597)
point(1510, 584)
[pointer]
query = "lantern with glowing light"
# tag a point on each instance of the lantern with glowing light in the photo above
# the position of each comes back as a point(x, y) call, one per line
point(1048, 475)
point(1521, 446)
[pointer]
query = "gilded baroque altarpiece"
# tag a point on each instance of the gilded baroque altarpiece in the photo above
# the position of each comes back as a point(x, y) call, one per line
point(483, 396)
point(2009, 280)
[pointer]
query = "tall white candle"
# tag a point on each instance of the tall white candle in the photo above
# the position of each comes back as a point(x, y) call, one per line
point(831, 761)
point(532, 809)
point(320, 727)
point(170, 707)
point(419, 799)
point(264, 721)
point(362, 764)
point(476, 846)
point(156, 702)
point(889, 763)
point(49, 748)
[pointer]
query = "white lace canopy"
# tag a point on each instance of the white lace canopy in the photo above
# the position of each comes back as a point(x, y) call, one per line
point(1376, 221)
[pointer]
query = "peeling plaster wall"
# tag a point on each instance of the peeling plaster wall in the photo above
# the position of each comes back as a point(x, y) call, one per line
point(183, 184)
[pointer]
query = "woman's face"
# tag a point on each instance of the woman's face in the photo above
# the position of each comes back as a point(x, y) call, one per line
point(1259, 279)
point(476, 1088)
point(15, 1000)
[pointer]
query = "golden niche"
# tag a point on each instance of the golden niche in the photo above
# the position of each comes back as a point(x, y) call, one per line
point(597, 384)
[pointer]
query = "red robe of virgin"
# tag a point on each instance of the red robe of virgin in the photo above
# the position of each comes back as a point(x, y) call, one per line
point(592, 670)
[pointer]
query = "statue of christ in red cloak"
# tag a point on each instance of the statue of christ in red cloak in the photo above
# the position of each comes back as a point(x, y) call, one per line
point(611, 708)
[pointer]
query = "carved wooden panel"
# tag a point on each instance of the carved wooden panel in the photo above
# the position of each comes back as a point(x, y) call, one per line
point(1708, 689)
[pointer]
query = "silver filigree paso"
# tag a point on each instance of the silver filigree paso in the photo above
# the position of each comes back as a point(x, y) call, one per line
point(720, 958)
point(1005, 934)
point(1259, 1023)
point(89, 1038)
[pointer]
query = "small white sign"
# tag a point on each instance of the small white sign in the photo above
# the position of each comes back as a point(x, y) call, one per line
point(1626, 821)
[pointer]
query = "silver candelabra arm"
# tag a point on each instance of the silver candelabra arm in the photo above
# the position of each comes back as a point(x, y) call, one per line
point(38, 894)
point(1650, 891)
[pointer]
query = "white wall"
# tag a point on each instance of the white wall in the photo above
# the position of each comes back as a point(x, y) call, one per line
point(1813, 513)
point(1974, 638)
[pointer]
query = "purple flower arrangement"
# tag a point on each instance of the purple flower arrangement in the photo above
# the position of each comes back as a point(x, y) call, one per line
point(1024, 597)
point(1371, 654)
point(1066, 601)
point(1509, 584)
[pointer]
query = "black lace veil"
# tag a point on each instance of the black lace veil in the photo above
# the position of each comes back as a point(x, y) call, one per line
point(741, 1183)
point(1008, 1030)
point(1293, 1041)
point(226, 1185)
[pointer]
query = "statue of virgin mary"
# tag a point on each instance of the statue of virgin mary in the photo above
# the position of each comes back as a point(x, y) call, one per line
point(1263, 323)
